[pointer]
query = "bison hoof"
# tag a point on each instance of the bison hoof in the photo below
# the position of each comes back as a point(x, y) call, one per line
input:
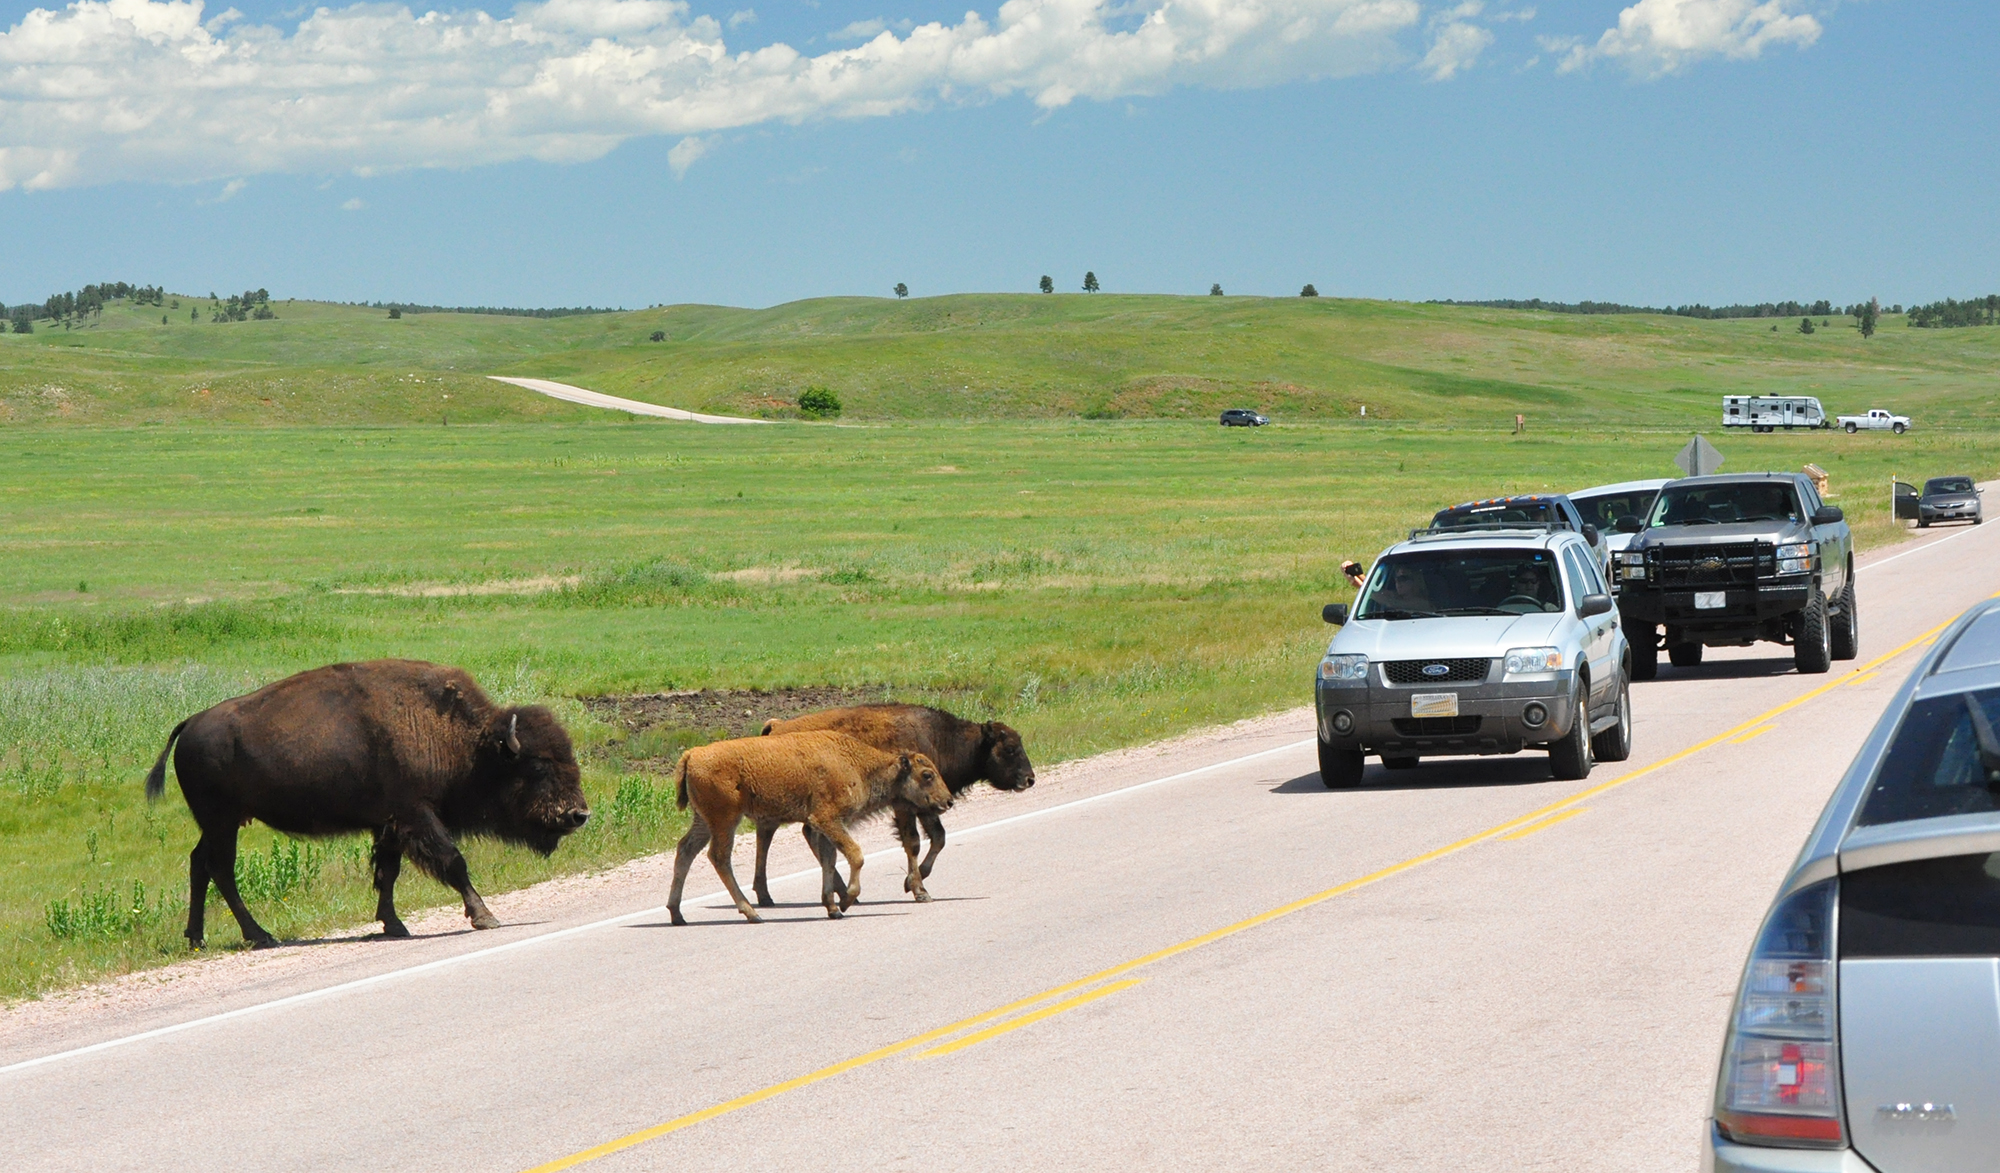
point(922, 896)
point(753, 918)
point(848, 900)
point(764, 900)
point(265, 942)
point(395, 929)
point(675, 913)
point(833, 913)
point(486, 921)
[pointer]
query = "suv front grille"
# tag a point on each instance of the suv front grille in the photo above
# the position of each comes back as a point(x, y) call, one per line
point(1435, 726)
point(1723, 564)
point(1456, 671)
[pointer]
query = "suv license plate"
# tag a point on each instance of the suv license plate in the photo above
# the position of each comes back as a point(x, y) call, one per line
point(1434, 704)
point(1709, 600)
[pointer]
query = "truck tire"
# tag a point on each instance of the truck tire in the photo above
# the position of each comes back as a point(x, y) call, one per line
point(1851, 429)
point(1569, 759)
point(1339, 769)
point(1897, 428)
point(1812, 651)
point(1684, 655)
point(1644, 640)
point(1615, 743)
point(1845, 638)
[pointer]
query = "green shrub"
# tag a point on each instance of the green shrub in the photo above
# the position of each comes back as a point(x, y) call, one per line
point(818, 403)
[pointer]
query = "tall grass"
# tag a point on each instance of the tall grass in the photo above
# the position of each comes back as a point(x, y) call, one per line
point(79, 725)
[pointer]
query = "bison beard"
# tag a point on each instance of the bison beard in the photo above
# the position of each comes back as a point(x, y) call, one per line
point(413, 752)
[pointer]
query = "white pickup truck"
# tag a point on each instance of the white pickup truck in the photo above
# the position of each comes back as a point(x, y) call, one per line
point(1876, 419)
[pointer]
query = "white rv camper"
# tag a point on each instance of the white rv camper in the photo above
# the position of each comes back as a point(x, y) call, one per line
point(1768, 413)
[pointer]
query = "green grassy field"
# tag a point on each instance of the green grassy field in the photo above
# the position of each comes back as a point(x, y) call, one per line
point(1095, 582)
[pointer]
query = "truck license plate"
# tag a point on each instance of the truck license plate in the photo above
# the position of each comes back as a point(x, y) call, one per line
point(1434, 704)
point(1709, 600)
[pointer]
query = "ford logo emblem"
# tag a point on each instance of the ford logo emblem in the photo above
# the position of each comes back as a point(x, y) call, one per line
point(1437, 669)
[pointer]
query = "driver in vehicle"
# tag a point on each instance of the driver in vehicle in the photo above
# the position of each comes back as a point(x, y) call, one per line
point(1531, 581)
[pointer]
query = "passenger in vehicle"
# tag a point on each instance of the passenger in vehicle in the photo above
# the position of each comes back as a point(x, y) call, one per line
point(1405, 590)
point(1533, 582)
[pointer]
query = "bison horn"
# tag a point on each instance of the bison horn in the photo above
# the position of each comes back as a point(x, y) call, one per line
point(513, 738)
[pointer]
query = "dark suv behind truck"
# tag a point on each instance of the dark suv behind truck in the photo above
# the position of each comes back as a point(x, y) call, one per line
point(1725, 561)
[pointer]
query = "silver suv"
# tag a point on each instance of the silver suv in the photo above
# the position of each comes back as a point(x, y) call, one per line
point(1476, 643)
point(1866, 1029)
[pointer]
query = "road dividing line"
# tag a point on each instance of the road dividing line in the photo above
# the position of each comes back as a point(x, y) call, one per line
point(1858, 677)
point(1545, 824)
point(1756, 732)
point(980, 1036)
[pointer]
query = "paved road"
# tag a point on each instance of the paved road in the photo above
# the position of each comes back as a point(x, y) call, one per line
point(1465, 965)
point(591, 398)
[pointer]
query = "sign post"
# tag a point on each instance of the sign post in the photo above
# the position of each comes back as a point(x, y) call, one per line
point(1699, 458)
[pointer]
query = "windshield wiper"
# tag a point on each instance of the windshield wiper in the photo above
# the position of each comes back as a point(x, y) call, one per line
point(1398, 613)
point(1765, 517)
point(1696, 521)
point(1480, 611)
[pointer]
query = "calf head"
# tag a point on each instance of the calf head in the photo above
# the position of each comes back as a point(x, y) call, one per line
point(919, 783)
point(1002, 760)
point(534, 788)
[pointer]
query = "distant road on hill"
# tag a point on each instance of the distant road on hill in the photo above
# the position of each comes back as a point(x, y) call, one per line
point(598, 399)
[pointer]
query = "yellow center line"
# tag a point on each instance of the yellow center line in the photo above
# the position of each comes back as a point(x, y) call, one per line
point(1858, 677)
point(1753, 733)
point(1117, 971)
point(981, 1036)
point(1545, 824)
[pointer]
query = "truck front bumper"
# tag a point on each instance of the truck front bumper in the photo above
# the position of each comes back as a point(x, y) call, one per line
point(1493, 717)
point(1743, 607)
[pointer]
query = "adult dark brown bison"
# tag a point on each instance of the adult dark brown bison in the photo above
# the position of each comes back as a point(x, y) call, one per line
point(966, 752)
point(413, 752)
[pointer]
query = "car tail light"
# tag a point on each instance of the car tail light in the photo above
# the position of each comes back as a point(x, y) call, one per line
point(1780, 1078)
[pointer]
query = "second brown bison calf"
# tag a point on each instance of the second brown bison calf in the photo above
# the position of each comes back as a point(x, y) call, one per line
point(821, 779)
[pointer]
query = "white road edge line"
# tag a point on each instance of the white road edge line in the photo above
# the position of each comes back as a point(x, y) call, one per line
point(540, 938)
point(1920, 549)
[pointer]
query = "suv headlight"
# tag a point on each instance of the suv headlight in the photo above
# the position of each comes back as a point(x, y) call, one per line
point(1533, 661)
point(1632, 565)
point(1344, 668)
point(1795, 558)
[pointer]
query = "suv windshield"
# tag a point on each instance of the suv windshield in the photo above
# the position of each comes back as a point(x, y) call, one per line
point(1426, 584)
point(1497, 513)
point(1934, 766)
point(1947, 485)
point(1604, 509)
point(1722, 504)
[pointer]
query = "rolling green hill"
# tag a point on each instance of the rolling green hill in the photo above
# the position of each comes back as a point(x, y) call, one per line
point(984, 356)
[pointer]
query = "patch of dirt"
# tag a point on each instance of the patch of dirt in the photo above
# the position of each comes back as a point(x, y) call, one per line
point(767, 574)
point(504, 586)
point(743, 711)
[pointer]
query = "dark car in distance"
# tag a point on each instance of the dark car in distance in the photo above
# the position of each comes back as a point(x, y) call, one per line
point(1243, 417)
point(1949, 499)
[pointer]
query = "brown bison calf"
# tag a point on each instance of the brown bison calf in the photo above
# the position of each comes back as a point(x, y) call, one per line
point(413, 752)
point(821, 779)
point(966, 752)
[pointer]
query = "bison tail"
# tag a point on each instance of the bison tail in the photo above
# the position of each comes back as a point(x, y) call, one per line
point(156, 778)
point(769, 724)
point(681, 783)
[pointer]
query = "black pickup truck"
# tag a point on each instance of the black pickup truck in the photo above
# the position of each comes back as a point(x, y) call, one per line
point(1725, 561)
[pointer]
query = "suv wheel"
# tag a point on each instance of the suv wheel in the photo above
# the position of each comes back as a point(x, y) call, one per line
point(1812, 651)
point(1615, 743)
point(1684, 655)
point(1569, 759)
point(1644, 640)
point(1845, 638)
point(1339, 769)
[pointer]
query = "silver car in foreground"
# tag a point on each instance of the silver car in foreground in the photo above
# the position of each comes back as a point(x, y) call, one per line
point(1866, 1029)
point(1485, 642)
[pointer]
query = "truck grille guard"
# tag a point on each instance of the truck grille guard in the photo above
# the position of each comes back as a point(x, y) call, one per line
point(1721, 565)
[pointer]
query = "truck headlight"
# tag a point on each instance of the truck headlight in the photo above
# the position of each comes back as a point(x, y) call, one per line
point(1345, 668)
point(1795, 558)
point(1531, 661)
point(1632, 565)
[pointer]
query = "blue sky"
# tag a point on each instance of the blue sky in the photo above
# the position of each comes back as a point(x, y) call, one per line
point(1661, 152)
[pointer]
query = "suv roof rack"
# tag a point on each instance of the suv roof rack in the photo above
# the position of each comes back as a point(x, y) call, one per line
point(1491, 527)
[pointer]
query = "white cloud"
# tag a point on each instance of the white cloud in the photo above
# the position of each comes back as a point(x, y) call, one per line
point(1658, 37)
point(108, 90)
point(229, 192)
point(1456, 43)
point(685, 152)
point(352, 205)
point(745, 16)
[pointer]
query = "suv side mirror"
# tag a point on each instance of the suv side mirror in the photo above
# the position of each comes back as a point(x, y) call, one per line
point(1590, 533)
point(1630, 524)
point(1334, 613)
point(1827, 515)
point(1593, 605)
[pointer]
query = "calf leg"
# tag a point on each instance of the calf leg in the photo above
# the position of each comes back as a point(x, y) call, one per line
point(759, 882)
point(719, 850)
point(830, 883)
point(836, 832)
point(430, 847)
point(388, 865)
point(197, 891)
point(933, 827)
point(690, 845)
point(222, 869)
point(906, 830)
